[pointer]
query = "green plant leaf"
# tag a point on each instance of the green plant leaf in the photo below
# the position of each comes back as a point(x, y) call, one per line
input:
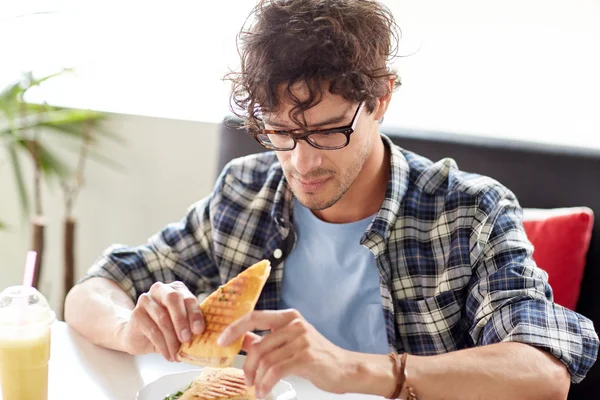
point(74, 131)
point(47, 115)
point(7, 138)
point(19, 178)
point(10, 112)
point(12, 93)
point(50, 164)
point(39, 108)
point(97, 157)
point(96, 120)
point(3, 226)
point(24, 119)
point(36, 82)
point(96, 131)
point(70, 122)
point(71, 116)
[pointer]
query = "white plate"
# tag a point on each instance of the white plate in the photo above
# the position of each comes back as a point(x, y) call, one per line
point(172, 383)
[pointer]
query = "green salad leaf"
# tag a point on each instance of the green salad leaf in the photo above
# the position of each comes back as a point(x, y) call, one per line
point(177, 395)
point(174, 396)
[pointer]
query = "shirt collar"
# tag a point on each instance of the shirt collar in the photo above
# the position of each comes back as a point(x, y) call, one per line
point(396, 189)
point(282, 204)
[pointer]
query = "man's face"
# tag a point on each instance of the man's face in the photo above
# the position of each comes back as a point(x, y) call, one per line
point(319, 178)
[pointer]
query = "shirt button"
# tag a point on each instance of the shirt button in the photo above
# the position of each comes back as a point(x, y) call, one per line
point(277, 253)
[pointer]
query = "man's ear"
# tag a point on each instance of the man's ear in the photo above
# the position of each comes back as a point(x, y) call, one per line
point(383, 102)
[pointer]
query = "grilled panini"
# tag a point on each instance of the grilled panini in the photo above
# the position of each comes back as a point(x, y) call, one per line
point(230, 302)
point(219, 384)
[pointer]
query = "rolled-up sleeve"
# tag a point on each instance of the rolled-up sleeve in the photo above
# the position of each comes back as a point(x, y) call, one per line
point(180, 252)
point(509, 299)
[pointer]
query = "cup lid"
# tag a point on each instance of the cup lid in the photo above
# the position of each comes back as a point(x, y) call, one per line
point(20, 305)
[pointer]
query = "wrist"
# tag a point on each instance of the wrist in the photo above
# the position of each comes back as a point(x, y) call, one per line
point(120, 337)
point(120, 332)
point(403, 389)
point(369, 374)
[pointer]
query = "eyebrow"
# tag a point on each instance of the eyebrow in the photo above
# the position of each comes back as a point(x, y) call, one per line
point(329, 121)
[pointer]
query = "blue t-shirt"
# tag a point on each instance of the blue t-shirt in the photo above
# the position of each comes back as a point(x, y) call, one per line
point(334, 282)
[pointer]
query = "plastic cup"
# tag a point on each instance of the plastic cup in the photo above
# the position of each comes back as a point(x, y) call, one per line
point(25, 322)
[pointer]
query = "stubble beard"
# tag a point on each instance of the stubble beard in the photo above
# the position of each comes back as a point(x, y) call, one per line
point(342, 185)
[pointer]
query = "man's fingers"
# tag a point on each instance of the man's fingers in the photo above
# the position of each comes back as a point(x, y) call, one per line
point(269, 347)
point(173, 301)
point(153, 333)
point(257, 320)
point(195, 317)
point(182, 306)
point(250, 340)
point(160, 316)
point(272, 374)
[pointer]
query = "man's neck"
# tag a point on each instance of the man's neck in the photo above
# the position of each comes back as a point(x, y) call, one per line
point(365, 196)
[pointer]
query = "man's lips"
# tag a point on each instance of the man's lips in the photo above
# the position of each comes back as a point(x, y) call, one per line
point(313, 184)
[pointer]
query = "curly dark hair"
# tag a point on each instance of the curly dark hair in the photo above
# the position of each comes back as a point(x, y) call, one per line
point(343, 46)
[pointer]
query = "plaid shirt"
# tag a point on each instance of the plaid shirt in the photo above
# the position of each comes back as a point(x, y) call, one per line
point(456, 266)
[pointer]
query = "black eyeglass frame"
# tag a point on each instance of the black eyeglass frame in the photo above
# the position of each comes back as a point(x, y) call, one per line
point(347, 130)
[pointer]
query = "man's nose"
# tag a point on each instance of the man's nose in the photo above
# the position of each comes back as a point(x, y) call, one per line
point(305, 158)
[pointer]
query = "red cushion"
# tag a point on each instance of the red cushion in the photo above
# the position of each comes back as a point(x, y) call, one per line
point(561, 238)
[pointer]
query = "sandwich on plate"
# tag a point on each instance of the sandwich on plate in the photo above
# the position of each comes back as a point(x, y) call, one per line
point(217, 384)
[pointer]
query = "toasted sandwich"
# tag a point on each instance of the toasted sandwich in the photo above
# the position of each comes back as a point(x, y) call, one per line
point(219, 384)
point(230, 302)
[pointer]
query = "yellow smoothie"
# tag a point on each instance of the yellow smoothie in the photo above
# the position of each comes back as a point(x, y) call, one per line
point(24, 367)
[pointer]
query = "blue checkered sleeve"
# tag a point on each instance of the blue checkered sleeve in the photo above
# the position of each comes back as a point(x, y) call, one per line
point(180, 252)
point(509, 298)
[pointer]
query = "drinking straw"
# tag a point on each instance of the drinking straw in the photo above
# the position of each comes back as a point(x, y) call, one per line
point(27, 283)
point(29, 269)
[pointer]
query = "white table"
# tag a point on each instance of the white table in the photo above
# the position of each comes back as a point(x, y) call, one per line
point(78, 367)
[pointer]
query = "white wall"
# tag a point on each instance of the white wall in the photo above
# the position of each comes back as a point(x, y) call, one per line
point(168, 165)
point(521, 69)
point(525, 69)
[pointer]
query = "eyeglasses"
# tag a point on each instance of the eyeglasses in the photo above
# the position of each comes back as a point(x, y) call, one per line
point(325, 139)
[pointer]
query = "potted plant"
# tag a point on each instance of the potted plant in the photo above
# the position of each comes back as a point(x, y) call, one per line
point(25, 129)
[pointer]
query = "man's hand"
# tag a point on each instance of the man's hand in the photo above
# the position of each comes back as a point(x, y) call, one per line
point(163, 318)
point(294, 347)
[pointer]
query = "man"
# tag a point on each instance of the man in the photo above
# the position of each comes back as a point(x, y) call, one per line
point(374, 249)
